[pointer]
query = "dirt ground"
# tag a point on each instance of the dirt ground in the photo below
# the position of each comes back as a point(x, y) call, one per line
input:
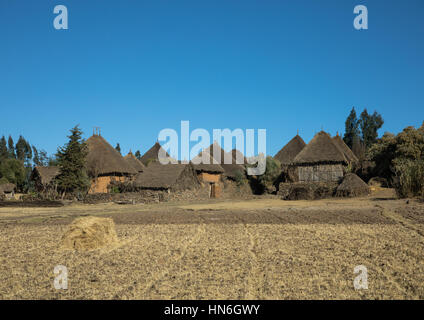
point(264, 248)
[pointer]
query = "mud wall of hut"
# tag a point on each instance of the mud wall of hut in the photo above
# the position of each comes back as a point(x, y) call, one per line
point(209, 177)
point(100, 184)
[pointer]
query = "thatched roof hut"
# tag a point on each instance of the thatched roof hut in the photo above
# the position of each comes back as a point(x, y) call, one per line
point(43, 177)
point(157, 176)
point(211, 167)
point(219, 160)
point(350, 156)
point(152, 154)
point(352, 186)
point(319, 161)
point(287, 154)
point(321, 149)
point(237, 153)
point(134, 162)
point(103, 159)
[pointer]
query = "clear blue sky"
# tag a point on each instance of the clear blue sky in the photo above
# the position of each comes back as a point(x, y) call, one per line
point(136, 67)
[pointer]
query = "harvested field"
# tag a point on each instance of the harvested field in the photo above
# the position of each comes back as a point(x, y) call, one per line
point(258, 249)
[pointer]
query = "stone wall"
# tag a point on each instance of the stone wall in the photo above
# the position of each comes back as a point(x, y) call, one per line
point(307, 190)
point(320, 173)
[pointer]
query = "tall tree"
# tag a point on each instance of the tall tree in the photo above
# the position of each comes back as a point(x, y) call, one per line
point(23, 151)
point(43, 158)
point(40, 157)
point(4, 154)
point(20, 148)
point(36, 157)
point(71, 160)
point(351, 128)
point(369, 126)
point(11, 148)
point(14, 171)
point(138, 154)
point(118, 148)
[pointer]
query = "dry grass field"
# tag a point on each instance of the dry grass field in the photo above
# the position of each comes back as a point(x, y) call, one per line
point(258, 249)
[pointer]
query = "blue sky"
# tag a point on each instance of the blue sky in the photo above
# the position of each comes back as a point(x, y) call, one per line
point(136, 67)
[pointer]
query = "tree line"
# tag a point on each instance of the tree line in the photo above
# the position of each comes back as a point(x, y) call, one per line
point(361, 133)
point(17, 160)
point(397, 158)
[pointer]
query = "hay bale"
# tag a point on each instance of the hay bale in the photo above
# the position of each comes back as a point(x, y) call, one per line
point(352, 186)
point(88, 233)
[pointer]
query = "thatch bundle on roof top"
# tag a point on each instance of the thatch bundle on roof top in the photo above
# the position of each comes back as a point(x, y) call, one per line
point(103, 159)
point(134, 162)
point(287, 154)
point(352, 186)
point(157, 176)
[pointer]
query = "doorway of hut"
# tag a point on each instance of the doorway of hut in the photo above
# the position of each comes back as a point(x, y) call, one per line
point(214, 190)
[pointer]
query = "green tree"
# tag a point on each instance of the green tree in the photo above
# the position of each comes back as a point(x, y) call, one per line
point(351, 129)
point(138, 154)
point(71, 160)
point(23, 151)
point(11, 147)
point(4, 154)
point(40, 157)
point(52, 161)
point(14, 172)
point(43, 158)
point(118, 148)
point(369, 125)
point(20, 148)
point(36, 157)
point(401, 159)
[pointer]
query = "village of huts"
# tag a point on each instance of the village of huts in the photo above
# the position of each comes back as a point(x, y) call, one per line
point(322, 168)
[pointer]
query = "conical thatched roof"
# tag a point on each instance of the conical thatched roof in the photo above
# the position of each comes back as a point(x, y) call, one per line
point(47, 174)
point(152, 154)
point(352, 186)
point(168, 176)
point(350, 156)
point(103, 159)
point(321, 149)
point(217, 157)
point(287, 154)
point(134, 162)
point(211, 167)
point(236, 152)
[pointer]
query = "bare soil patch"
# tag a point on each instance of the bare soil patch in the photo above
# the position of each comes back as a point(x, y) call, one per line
point(256, 249)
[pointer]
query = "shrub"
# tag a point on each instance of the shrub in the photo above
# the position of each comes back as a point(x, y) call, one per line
point(240, 178)
point(271, 175)
point(400, 159)
point(410, 182)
